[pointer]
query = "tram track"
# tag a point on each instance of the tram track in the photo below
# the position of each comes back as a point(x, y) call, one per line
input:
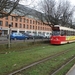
point(62, 66)
point(41, 61)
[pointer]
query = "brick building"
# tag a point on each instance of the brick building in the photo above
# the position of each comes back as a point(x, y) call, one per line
point(23, 24)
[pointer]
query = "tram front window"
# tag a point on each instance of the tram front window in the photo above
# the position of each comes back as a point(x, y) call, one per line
point(55, 33)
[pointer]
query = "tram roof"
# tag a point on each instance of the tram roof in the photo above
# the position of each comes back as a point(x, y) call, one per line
point(64, 28)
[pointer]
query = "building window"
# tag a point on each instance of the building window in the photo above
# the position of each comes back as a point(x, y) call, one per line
point(27, 21)
point(30, 21)
point(43, 28)
point(16, 25)
point(41, 23)
point(36, 27)
point(12, 24)
point(27, 26)
point(33, 22)
point(20, 26)
point(33, 27)
point(1, 22)
point(28, 32)
point(20, 19)
point(30, 26)
point(24, 20)
point(16, 18)
point(6, 18)
point(11, 18)
point(23, 25)
point(6, 23)
point(36, 22)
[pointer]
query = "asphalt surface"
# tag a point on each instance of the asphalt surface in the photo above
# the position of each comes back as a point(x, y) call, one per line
point(4, 40)
point(71, 71)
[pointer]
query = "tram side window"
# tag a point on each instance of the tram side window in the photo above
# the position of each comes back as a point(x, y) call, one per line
point(63, 32)
point(72, 32)
point(67, 33)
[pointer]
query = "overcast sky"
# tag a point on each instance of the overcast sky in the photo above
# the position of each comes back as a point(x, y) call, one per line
point(72, 1)
point(34, 2)
point(31, 3)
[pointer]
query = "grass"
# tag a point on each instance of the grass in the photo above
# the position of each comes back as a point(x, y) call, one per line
point(21, 46)
point(22, 54)
point(49, 66)
point(64, 70)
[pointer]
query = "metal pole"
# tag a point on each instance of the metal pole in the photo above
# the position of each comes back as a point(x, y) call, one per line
point(9, 36)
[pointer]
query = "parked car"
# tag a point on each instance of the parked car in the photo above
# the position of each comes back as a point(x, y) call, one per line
point(18, 36)
point(48, 35)
point(29, 36)
point(41, 36)
point(34, 36)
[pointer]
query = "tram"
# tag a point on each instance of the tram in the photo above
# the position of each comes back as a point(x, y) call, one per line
point(62, 35)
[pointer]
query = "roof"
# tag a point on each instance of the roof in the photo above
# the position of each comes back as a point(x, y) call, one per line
point(25, 11)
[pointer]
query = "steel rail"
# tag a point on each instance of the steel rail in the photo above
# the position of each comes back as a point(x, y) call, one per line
point(62, 66)
point(40, 61)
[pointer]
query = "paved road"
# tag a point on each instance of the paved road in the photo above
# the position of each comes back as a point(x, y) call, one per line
point(72, 71)
point(4, 40)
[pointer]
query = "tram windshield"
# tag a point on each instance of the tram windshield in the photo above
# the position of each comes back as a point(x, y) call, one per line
point(55, 33)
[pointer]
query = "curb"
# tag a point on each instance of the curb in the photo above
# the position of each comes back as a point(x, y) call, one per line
point(71, 69)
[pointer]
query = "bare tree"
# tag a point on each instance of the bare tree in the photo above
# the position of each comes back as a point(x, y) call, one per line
point(57, 12)
point(7, 6)
point(13, 6)
point(26, 9)
point(48, 8)
point(67, 13)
